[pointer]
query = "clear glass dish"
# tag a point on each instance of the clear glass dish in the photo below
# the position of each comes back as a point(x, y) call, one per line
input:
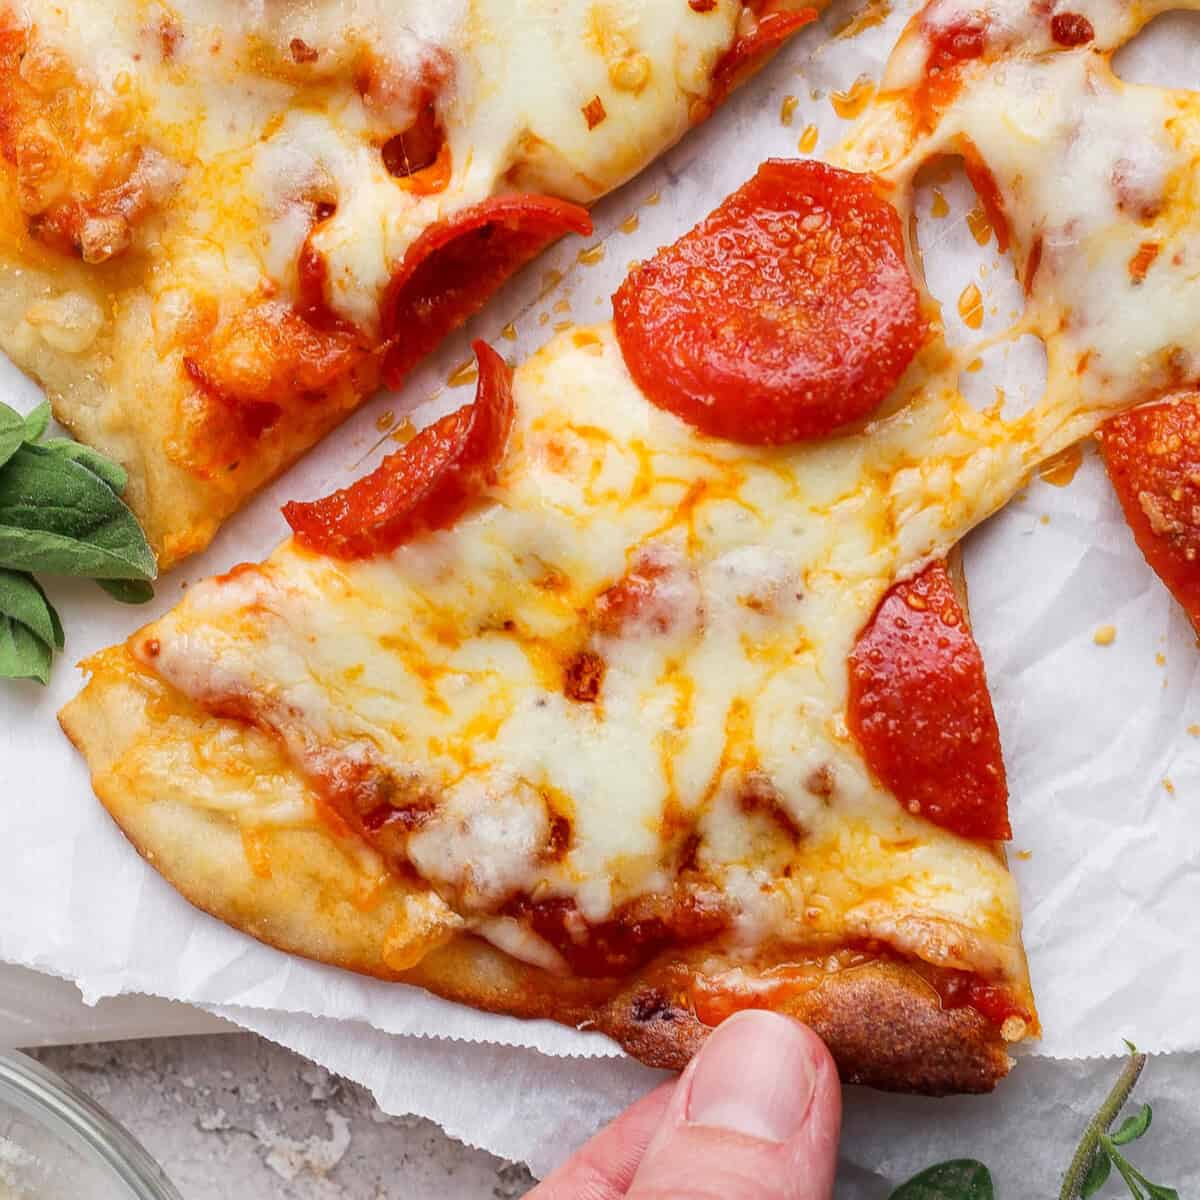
point(57, 1144)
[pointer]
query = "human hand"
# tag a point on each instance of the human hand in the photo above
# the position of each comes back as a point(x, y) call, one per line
point(755, 1116)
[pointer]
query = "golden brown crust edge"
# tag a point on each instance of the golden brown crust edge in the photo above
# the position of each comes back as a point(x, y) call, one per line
point(884, 1024)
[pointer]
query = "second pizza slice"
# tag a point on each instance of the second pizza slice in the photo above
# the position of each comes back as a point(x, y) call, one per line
point(222, 225)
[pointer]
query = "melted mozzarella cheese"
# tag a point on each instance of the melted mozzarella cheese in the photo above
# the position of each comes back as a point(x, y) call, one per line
point(270, 104)
point(444, 662)
point(1097, 180)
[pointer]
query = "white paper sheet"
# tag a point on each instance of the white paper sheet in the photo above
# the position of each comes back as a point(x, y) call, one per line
point(1092, 734)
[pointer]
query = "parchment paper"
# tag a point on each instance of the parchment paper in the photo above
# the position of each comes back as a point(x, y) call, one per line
point(1105, 777)
point(535, 1109)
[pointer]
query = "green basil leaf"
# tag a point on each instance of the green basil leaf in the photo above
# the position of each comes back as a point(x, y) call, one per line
point(128, 591)
point(12, 432)
point(23, 655)
point(22, 600)
point(1097, 1174)
point(60, 638)
point(37, 422)
point(57, 516)
point(1133, 1127)
point(959, 1179)
point(112, 473)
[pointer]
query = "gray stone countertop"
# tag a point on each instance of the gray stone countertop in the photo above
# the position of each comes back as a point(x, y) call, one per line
point(232, 1115)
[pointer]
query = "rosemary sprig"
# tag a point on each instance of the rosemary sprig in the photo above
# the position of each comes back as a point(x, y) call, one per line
point(1099, 1152)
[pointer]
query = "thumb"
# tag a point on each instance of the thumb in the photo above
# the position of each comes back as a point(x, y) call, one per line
point(755, 1116)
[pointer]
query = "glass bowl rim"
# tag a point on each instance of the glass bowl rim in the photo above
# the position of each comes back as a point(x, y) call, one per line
point(79, 1121)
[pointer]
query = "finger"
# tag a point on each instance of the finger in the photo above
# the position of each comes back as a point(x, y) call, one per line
point(604, 1168)
point(756, 1116)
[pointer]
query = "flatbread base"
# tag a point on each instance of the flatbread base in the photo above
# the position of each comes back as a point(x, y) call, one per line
point(301, 891)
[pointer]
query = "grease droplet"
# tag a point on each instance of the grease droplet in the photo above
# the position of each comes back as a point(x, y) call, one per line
point(970, 306)
point(1059, 470)
point(850, 103)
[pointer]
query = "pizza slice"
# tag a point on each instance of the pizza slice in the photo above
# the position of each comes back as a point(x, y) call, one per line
point(223, 225)
point(637, 691)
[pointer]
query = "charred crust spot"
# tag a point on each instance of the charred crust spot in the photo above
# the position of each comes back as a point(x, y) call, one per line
point(302, 52)
point(584, 677)
point(651, 1005)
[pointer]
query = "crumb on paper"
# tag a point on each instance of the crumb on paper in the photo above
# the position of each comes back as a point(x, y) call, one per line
point(1024, 855)
point(1105, 635)
point(1194, 730)
point(214, 1122)
point(1161, 659)
point(289, 1158)
point(1169, 786)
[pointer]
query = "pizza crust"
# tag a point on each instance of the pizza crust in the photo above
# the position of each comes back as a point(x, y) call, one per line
point(301, 889)
point(113, 391)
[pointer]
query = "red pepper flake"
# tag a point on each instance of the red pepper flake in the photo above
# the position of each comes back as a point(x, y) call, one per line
point(594, 112)
point(1071, 29)
point(1139, 264)
point(302, 52)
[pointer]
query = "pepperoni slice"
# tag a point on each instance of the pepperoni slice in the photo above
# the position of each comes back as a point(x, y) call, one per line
point(920, 709)
point(751, 50)
point(425, 486)
point(786, 315)
point(452, 269)
point(1153, 458)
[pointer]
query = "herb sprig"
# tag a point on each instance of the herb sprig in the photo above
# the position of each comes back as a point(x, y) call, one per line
point(1097, 1155)
point(61, 513)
